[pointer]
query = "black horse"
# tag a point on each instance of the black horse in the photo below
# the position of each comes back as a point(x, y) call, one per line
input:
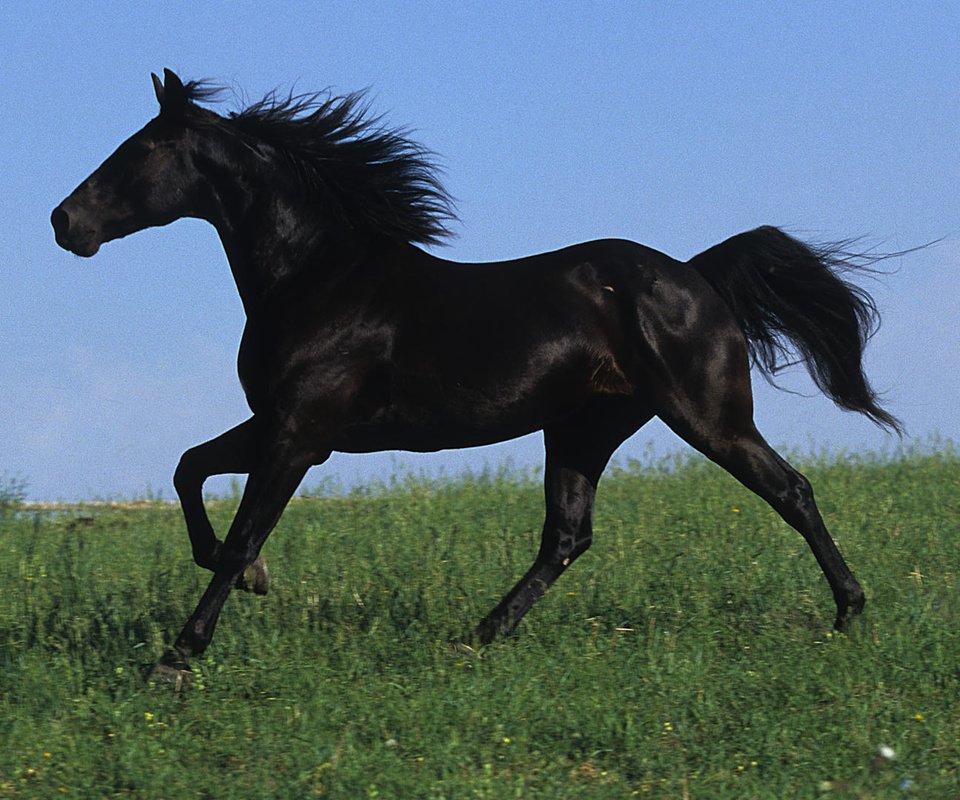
point(358, 341)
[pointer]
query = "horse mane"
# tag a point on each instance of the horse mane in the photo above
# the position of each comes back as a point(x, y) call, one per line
point(365, 175)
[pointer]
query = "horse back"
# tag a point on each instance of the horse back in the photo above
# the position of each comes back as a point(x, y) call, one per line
point(411, 351)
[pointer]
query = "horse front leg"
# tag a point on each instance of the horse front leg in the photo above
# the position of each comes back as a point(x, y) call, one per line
point(230, 452)
point(268, 490)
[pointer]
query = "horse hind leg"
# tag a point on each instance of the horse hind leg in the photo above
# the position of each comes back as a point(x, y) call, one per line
point(566, 535)
point(577, 452)
point(761, 469)
point(718, 421)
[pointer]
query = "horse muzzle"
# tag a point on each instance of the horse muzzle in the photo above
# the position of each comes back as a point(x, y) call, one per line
point(71, 234)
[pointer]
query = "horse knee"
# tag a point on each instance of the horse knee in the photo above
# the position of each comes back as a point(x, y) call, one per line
point(233, 558)
point(185, 476)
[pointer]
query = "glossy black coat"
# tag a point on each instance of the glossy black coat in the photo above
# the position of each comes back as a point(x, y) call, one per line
point(357, 340)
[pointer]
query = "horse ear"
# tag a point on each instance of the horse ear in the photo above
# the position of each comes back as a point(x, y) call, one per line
point(171, 94)
point(157, 87)
point(171, 82)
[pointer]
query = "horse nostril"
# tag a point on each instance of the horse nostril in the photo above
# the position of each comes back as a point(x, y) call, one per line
point(60, 220)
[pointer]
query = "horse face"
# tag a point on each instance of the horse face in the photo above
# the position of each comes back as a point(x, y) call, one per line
point(148, 181)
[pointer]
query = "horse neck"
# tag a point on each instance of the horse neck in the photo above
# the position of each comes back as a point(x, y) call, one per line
point(267, 235)
point(264, 264)
point(258, 262)
point(270, 233)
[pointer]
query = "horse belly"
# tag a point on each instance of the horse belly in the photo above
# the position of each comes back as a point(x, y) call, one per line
point(440, 409)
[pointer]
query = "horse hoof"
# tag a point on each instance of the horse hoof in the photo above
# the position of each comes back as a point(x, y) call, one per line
point(464, 650)
point(255, 578)
point(842, 622)
point(850, 610)
point(172, 669)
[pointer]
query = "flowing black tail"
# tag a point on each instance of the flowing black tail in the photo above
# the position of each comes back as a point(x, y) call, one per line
point(784, 292)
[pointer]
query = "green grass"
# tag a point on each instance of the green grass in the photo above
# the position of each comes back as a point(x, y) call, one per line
point(688, 654)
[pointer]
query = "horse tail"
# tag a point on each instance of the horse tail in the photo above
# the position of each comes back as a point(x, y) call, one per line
point(784, 292)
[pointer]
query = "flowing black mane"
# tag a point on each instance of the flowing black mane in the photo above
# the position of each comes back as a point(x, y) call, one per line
point(366, 175)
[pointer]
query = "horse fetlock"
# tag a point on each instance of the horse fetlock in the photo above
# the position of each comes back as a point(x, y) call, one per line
point(489, 629)
point(850, 605)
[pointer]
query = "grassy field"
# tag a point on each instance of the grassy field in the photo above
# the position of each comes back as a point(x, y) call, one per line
point(687, 655)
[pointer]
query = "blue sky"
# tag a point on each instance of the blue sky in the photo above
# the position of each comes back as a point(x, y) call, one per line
point(674, 124)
